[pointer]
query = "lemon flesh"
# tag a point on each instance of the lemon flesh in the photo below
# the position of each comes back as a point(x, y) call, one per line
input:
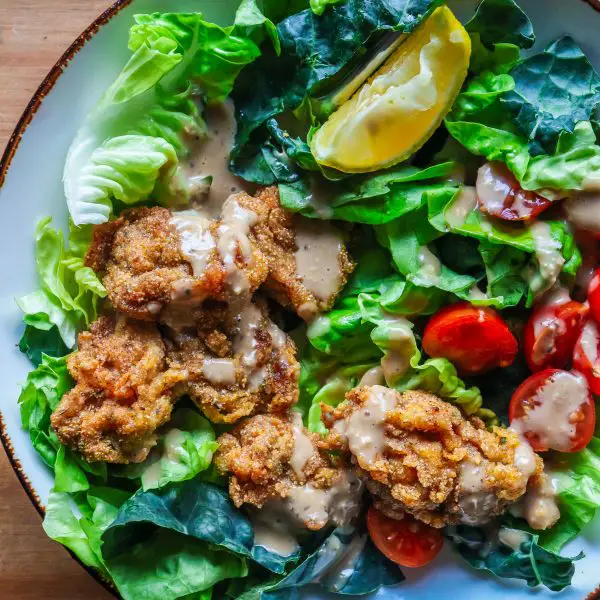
point(393, 114)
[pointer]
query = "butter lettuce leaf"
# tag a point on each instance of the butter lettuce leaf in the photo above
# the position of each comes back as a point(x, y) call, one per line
point(185, 448)
point(577, 477)
point(130, 145)
point(69, 294)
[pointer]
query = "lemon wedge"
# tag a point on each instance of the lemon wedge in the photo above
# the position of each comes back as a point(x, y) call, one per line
point(396, 111)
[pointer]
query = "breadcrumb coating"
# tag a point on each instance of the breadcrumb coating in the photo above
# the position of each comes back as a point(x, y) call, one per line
point(258, 373)
point(433, 463)
point(258, 455)
point(123, 392)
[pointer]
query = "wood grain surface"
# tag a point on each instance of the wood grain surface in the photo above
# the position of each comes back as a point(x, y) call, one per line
point(33, 36)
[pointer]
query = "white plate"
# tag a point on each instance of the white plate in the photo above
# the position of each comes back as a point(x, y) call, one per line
point(33, 188)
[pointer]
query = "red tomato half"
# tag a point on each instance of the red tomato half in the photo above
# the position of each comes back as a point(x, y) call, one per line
point(586, 356)
point(594, 296)
point(543, 414)
point(551, 333)
point(500, 195)
point(407, 542)
point(474, 339)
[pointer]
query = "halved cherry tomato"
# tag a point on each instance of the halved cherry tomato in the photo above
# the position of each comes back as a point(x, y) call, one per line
point(500, 195)
point(594, 296)
point(586, 356)
point(544, 425)
point(475, 339)
point(551, 333)
point(406, 542)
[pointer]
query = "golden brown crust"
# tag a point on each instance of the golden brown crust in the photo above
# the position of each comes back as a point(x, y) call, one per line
point(275, 235)
point(426, 442)
point(256, 454)
point(122, 394)
point(270, 384)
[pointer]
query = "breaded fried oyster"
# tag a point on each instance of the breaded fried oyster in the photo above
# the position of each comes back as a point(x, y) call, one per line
point(418, 454)
point(274, 460)
point(151, 258)
point(308, 261)
point(155, 261)
point(122, 394)
point(236, 363)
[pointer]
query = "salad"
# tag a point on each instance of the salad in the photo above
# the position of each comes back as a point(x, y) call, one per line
point(328, 301)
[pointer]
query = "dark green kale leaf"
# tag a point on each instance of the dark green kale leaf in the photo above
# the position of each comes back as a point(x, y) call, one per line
point(554, 90)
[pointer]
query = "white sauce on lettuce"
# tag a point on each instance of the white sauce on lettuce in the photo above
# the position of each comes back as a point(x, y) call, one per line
point(319, 246)
point(583, 211)
point(463, 204)
point(549, 257)
point(210, 182)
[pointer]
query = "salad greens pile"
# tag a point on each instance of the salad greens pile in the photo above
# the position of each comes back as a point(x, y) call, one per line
point(166, 529)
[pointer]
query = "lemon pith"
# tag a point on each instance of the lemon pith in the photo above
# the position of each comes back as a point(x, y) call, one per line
point(394, 113)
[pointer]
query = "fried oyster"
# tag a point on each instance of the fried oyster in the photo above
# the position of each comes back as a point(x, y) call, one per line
point(418, 454)
point(123, 392)
point(272, 460)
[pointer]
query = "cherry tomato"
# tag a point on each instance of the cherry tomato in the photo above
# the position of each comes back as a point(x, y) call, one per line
point(594, 296)
point(500, 195)
point(407, 542)
point(586, 356)
point(551, 333)
point(475, 339)
point(547, 405)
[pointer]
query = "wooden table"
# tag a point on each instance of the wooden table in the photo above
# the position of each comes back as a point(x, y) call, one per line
point(33, 35)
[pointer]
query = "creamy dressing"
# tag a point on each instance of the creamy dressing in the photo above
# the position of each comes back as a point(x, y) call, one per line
point(210, 182)
point(549, 256)
point(464, 203)
point(471, 476)
point(583, 211)
point(400, 348)
point(589, 344)
point(340, 572)
point(220, 371)
point(195, 239)
point(319, 246)
point(273, 529)
point(492, 188)
point(364, 429)
point(430, 267)
point(539, 505)
point(373, 376)
point(303, 446)
point(525, 459)
point(233, 241)
point(513, 538)
point(554, 404)
point(245, 343)
point(339, 504)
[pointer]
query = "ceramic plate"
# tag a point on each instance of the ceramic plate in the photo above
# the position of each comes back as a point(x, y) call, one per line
point(31, 186)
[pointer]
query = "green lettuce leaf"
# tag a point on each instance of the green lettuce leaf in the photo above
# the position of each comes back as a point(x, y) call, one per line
point(194, 510)
point(168, 566)
point(310, 59)
point(577, 477)
point(372, 200)
point(185, 448)
point(69, 294)
point(530, 562)
point(130, 145)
